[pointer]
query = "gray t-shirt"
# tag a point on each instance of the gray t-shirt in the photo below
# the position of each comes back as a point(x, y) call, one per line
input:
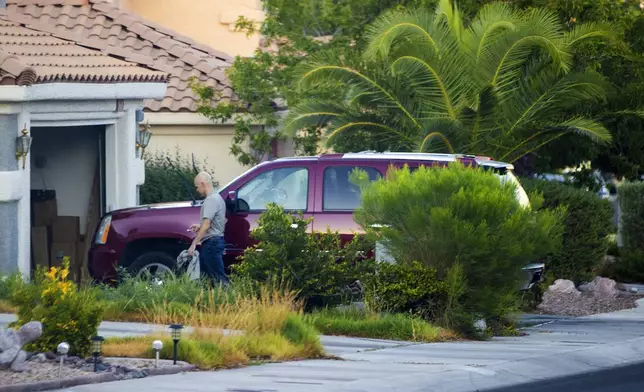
point(214, 208)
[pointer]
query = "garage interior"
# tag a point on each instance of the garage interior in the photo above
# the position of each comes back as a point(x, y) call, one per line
point(67, 195)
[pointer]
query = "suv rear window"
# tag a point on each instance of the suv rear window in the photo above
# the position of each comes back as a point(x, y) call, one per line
point(339, 194)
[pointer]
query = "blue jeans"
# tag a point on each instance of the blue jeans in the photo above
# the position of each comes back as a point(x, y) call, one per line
point(212, 261)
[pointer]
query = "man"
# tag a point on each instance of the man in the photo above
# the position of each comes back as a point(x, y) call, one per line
point(210, 232)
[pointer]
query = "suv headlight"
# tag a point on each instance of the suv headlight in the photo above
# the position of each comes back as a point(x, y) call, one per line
point(103, 230)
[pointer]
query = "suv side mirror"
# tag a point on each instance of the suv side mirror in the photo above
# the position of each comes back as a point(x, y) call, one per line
point(237, 205)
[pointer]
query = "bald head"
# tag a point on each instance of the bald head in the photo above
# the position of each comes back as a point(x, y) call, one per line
point(203, 183)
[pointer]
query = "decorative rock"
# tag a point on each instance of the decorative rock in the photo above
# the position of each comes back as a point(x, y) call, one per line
point(563, 286)
point(38, 358)
point(11, 342)
point(603, 287)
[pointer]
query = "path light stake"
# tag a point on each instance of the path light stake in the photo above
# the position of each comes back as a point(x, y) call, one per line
point(63, 349)
point(176, 335)
point(97, 342)
point(157, 345)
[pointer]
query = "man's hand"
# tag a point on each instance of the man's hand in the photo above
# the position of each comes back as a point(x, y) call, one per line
point(194, 228)
point(191, 250)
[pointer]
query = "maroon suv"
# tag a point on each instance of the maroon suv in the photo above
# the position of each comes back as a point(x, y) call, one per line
point(149, 238)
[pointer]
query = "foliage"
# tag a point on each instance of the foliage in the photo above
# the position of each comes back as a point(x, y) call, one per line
point(588, 222)
point(292, 30)
point(466, 224)
point(504, 86)
point(622, 63)
point(211, 349)
point(406, 288)
point(630, 267)
point(68, 314)
point(169, 178)
point(363, 323)
point(318, 267)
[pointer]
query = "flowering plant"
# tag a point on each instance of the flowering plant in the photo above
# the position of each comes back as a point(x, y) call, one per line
point(68, 314)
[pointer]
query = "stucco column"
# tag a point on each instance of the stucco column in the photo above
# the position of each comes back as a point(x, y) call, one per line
point(127, 166)
point(15, 221)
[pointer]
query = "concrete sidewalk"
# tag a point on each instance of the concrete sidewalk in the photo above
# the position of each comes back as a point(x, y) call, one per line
point(558, 347)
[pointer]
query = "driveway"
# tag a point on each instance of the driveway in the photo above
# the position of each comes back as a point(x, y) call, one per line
point(559, 348)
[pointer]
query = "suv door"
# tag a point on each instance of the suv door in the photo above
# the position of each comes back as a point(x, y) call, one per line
point(289, 185)
point(337, 198)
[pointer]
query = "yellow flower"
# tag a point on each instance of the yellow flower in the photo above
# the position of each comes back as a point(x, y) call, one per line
point(63, 273)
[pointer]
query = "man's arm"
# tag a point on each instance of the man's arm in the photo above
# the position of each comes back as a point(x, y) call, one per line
point(205, 224)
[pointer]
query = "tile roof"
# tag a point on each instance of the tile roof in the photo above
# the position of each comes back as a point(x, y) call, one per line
point(99, 24)
point(30, 57)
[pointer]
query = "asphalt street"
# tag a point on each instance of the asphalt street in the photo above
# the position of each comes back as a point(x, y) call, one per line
point(627, 378)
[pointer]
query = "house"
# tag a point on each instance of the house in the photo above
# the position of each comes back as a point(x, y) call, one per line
point(69, 111)
point(211, 22)
point(174, 119)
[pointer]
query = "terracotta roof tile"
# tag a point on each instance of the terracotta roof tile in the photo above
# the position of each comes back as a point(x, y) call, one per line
point(30, 56)
point(100, 25)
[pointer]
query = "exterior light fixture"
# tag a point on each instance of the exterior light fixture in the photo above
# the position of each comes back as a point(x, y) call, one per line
point(23, 145)
point(97, 343)
point(176, 335)
point(157, 345)
point(143, 138)
point(62, 349)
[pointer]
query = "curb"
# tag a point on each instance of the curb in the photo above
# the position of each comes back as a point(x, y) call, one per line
point(91, 379)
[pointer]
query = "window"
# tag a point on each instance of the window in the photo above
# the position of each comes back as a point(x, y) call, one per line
point(287, 186)
point(339, 193)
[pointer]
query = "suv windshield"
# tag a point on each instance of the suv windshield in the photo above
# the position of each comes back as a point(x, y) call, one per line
point(521, 194)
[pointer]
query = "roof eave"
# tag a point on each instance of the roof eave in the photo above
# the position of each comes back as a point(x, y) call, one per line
point(82, 91)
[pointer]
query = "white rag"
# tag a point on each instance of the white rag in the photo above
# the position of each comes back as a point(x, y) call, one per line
point(193, 270)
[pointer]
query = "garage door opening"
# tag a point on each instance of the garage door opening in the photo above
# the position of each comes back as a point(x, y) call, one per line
point(67, 194)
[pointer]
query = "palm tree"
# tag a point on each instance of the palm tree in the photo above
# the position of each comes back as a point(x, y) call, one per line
point(502, 86)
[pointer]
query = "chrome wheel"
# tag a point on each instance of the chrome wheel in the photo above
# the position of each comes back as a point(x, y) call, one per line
point(155, 273)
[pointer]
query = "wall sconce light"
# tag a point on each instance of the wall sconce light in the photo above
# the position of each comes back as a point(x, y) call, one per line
point(143, 138)
point(23, 145)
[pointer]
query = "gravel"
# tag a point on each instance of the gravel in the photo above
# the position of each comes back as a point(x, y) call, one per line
point(586, 304)
point(43, 368)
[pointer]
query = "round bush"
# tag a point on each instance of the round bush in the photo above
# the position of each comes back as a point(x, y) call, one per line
point(587, 224)
point(466, 224)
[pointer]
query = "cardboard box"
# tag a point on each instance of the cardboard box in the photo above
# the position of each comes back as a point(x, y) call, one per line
point(40, 247)
point(44, 213)
point(68, 249)
point(66, 229)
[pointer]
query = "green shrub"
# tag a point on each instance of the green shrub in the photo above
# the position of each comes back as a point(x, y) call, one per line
point(405, 288)
point(66, 313)
point(465, 224)
point(588, 223)
point(318, 267)
point(167, 176)
point(630, 267)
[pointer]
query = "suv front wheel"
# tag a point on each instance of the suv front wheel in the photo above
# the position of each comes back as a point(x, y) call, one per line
point(155, 266)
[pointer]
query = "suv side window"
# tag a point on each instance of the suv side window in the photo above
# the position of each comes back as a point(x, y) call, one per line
point(339, 193)
point(286, 186)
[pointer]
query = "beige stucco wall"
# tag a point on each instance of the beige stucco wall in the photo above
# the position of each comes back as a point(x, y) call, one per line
point(210, 22)
point(207, 142)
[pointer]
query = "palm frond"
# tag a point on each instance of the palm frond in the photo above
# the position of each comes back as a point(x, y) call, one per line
point(492, 20)
point(585, 127)
point(502, 59)
point(308, 114)
point(587, 31)
point(383, 89)
point(398, 26)
point(550, 95)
